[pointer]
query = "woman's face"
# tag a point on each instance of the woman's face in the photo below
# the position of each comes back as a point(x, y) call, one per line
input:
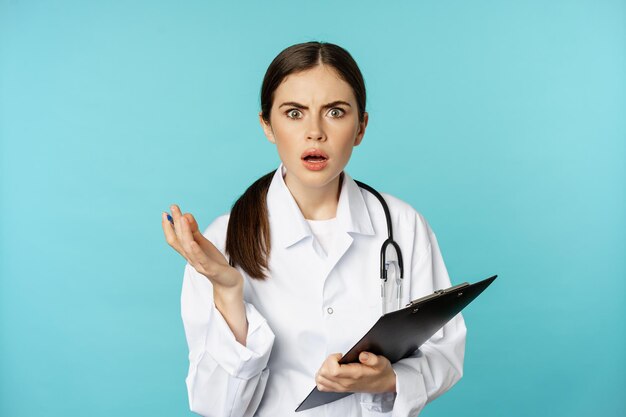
point(314, 123)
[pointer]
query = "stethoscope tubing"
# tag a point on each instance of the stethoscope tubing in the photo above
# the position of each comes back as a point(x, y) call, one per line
point(383, 250)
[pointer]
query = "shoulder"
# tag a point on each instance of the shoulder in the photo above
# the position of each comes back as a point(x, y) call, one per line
point(218, 224)
point(402, 213)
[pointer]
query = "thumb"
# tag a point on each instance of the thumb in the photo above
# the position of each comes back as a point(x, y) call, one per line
point(367, 358)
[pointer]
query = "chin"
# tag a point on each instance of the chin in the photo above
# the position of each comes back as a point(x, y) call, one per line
point(314, 179)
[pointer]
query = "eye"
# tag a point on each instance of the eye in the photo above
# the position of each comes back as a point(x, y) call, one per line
point(336, 112)
point(294, 113)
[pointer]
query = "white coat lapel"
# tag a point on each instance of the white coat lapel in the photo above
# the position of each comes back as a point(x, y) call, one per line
point(288, 226)
point(352, 218)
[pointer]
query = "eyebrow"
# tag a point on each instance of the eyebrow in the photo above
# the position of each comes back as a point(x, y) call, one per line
point(325, 106)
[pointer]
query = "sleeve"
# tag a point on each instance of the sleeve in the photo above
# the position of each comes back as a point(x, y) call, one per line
point(438, 364)
point(225, 377)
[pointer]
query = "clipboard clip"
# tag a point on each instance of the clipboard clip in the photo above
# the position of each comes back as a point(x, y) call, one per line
point(439, 293)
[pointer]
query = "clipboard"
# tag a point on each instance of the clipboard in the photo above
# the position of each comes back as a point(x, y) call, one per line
point(398, 334)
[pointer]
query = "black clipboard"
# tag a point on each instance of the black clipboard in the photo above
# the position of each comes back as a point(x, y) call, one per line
point(398, 334)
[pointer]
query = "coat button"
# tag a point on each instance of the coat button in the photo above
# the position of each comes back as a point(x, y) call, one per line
point(329, 310)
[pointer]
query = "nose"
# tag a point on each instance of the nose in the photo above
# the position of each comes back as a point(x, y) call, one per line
point(315, 130)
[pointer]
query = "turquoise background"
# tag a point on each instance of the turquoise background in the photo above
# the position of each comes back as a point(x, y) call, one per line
point(503, 122)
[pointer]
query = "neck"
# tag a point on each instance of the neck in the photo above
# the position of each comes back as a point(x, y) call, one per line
point(316, 203)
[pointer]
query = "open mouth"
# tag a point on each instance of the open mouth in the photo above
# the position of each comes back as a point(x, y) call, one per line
point(314, 155)
point(314, 158)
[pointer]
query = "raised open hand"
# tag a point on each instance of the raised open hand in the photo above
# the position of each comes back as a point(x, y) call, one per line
point(185, 237)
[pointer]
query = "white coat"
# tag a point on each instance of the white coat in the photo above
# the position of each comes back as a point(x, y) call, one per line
point(312, 306)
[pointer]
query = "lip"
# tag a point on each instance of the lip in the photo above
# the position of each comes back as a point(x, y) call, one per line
point(314, 152)
point(314, 165)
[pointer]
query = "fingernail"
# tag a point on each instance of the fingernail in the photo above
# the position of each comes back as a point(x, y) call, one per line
point(169, 218)
point(364, 356)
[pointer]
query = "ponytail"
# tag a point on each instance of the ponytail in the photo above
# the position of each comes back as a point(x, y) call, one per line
point(248, 234)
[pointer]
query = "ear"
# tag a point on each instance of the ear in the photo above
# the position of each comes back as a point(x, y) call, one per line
point(267, 129)
point(361, 132)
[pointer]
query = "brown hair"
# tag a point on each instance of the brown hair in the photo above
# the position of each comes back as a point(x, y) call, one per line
point(248, 234)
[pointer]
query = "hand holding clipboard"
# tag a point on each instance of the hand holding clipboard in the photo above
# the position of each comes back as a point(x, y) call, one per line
point(398, 334)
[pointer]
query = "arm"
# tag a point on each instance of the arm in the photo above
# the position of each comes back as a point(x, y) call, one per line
point(225, 377)
point(229, 341)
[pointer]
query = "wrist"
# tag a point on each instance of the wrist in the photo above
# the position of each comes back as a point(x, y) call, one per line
point(228, 296)
point(229, 302)
point(391, 382)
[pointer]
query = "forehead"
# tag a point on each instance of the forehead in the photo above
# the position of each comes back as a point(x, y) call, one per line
point(321, 84)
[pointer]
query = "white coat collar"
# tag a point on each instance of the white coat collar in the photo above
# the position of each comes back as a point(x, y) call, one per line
point(287, 224)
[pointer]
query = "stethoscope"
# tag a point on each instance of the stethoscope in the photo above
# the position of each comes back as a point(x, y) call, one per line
point(384, 265)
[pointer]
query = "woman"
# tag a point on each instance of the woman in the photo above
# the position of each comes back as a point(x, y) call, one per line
point(273, 291)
